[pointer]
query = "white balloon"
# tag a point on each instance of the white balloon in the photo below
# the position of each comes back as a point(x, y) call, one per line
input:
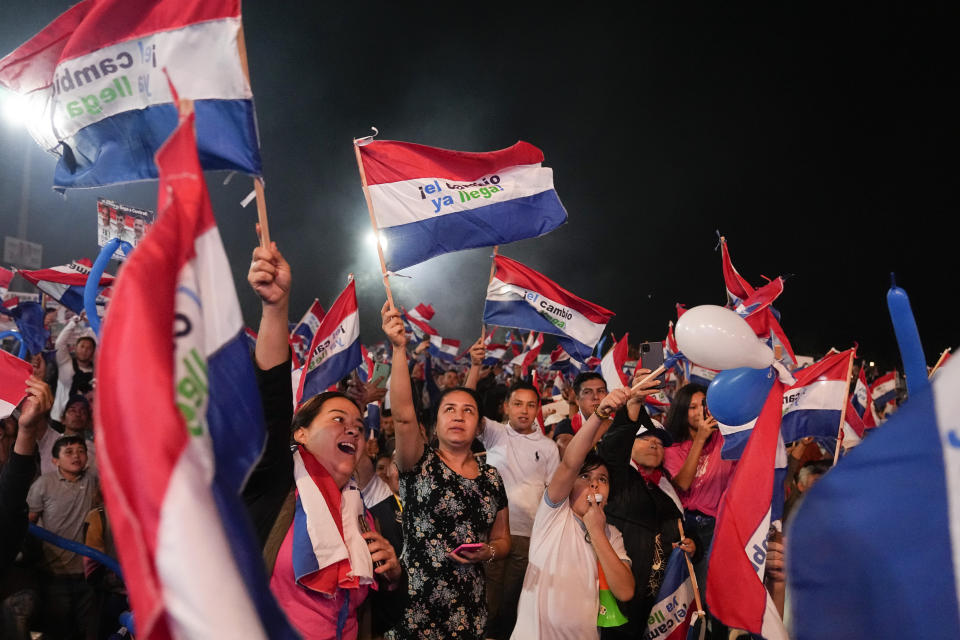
point(717, 338)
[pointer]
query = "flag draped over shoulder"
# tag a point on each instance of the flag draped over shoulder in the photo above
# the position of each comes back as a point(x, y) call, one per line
point(65, 283)
point(429, 201)
point(173, 464)
point(735, 591)
point(93, 78)
point(520, 297)
point(335, 350)
point(875, 545)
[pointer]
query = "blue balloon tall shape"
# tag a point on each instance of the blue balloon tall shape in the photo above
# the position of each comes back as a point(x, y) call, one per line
point(93, 280)
point(16, 334)
point(908, 339)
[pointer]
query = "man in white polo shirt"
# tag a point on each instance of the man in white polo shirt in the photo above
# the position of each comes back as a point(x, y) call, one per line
point(526, 460)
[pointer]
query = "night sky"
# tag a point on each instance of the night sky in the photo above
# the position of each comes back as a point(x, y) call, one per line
point(816, 140)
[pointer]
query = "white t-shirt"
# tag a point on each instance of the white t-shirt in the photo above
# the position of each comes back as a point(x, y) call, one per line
point(560, 597)
point(526, 462)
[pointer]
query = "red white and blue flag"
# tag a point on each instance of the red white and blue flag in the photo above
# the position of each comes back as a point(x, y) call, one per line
point(901, 487)
point(529, 356)
point(430, 201)
point(13, 381)
point(335, 350)
point(520, 297)
point(302, 334)
point(611, 365)
point(735, 591)
point(65, 283)
point(884, 389)
point(446, 349)
point(676, 607)
point(190, 557)
point(94, 80)
point(494, 353)
point(419, 319)
point(863, 401)
point(853, 427)
point(811, 407)
point(560, 360)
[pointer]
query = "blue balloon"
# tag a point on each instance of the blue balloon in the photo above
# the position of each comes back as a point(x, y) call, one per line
point(92, 287)
point(736, 396)
point(23, 344)
point(908, 339)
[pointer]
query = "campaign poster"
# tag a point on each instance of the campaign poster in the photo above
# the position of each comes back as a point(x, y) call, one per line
point(115, 220)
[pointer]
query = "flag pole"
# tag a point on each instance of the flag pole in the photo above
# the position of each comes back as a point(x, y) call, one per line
point(493, 270)
point(843, 411)
point(373, 224)
point(693, 575)
point(257, 181)
point(943, 356)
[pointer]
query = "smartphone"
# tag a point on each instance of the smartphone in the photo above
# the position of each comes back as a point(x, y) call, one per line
point(364, 527)
point(381, 373)
point(651, 357)
point(472, 546)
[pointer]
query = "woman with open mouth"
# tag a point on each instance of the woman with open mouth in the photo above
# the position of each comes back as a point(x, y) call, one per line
point(321, 560)
point(454, 508)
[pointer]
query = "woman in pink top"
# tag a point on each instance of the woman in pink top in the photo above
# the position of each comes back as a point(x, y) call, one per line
point(695, 466)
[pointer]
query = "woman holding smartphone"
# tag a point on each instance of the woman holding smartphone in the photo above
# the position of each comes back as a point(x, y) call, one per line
point(454, 507)
point(695, 466)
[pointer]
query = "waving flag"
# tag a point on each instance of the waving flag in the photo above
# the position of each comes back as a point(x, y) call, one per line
point(302, 334)
point(853, 428)
point(444, 348)
point(335, 350)
point(13, 380)
point(28, 318)
point(811, 407)
point(6, 276)
point(884, 389)
point(561, 361)
point(529, 356)
point(65, 283)
point(94, 80)
point(902, 486)
point(611, 366)
point(494, 353)
point(735, 591)
point(520, 297)
point(754, 306)
point(676, 607)
point(190, 557)
point(863, 401)
point(429, 201)
point(419, 319)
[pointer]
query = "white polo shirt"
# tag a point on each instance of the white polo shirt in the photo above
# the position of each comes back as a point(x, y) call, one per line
point(526, 462)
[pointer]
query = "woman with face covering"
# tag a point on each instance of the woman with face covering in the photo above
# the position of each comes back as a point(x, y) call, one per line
point(305, 507)
point(572, 542)
point(449, 499)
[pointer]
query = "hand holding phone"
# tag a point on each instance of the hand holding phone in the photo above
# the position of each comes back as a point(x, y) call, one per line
point(364, 528)
point(469, 547)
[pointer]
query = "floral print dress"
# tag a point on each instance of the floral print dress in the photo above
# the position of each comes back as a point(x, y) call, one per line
point(442, 510)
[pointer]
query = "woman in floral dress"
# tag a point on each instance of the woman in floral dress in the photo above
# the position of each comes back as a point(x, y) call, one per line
point(449, 499)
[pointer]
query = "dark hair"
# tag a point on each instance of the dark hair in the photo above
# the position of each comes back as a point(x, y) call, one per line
point(591, 462)
point(385, 413)
point(64, 441)
point(77, 398)
point(309, 409)
point(446, 392)
point(92, 341)
point(584, 377)
point(523, 385)
point(676, 422)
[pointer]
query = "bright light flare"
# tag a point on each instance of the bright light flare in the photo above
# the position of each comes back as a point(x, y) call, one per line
point(13, 108)
point(371, 240)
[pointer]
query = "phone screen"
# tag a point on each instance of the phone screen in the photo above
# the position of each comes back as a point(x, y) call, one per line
point(381, 372)
point(472, 546)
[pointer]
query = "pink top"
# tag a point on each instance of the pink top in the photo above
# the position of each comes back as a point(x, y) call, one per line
point(712, 476)
point(313, 614)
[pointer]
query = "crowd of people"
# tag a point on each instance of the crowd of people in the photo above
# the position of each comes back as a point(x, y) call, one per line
point(464, 514)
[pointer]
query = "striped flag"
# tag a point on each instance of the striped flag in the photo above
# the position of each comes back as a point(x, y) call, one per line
point(884, 389)
point(430, 201)
point(65, 283)
point(446, 349)
point(611, 366)
point(94, 80)
point(302, 334)
point(335, 350)
point(676, 607)
point(419, 318)
point(13, 381)
point(173, 464)
point(520, 297)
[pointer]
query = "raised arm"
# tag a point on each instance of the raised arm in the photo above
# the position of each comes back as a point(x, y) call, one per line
point(65, 339)
point(409, 446)
point(563, 478)
point(270, 278)
point(477, 353)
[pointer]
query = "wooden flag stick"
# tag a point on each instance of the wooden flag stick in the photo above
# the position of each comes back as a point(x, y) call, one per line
point(373, 224)
point(257, 181)
point(693, 576)
point(943, 356)
point(493, 271)
point(843, 411)
point(650, 376)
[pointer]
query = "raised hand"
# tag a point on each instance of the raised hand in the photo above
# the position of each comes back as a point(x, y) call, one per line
point(393, 326)
point(269, 275)
point(477, 353)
